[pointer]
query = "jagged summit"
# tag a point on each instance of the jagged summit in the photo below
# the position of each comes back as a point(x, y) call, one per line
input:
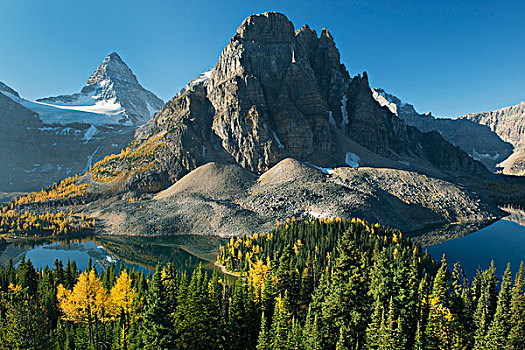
point(5, 88)
point(276, 93)
point(113, 89)
point(113, 68)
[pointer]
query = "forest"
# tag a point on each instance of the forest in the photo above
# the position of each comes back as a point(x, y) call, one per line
point(309, 284)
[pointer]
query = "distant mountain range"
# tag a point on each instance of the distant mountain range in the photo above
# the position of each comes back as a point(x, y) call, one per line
point(49, 139)
point(496, 138)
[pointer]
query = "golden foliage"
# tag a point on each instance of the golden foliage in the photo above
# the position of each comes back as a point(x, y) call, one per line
point(123, 297)
point(139, 156)
point(86, 302)
point(26, 223)
point(65, 189)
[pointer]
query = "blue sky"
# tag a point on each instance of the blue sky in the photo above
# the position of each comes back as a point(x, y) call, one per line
point(448, 57)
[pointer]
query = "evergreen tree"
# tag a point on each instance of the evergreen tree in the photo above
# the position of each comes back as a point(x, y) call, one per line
point(156, 327)
point(347, 301)
point(497, 334)
point(263, 342)
point(516, 337)
point(281, 323)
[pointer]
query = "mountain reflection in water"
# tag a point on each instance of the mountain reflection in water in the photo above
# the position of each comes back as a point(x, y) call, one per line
point(502, 241)
point(143, 253)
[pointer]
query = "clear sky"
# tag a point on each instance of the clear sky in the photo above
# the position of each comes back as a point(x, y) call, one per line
point(448, 57)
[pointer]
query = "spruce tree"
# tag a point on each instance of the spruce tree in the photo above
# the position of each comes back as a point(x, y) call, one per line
point(497, 334)
point(263, 342)
point(156, 325)
point(516, 338)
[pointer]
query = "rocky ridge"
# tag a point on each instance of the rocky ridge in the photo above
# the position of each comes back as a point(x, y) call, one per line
point(494, 138)
point(509, 124)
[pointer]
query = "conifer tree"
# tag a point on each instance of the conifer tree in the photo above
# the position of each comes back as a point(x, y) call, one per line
point(516, 338)
point(263, 342)
point(156, 327)
point(498, 331)
point(281, 323)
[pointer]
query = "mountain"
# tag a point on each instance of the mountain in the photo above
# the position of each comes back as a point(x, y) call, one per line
point(277, 93)
point(46, 140)
point(277, 128)
point(493, 138)
point(509, 124)
point(112, 89)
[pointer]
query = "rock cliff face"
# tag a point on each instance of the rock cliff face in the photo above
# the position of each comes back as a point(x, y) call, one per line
point(494, 138)
point(509, 124)
point(48, 140)
point(275, 93)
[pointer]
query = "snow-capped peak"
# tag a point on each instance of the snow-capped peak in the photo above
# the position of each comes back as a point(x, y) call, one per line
point(113, 89)
point(112, 69)
point(393, 103)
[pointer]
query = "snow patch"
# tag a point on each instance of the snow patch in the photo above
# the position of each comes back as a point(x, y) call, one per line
point(203, 151)
point(344, 112)
point(281, 146)
point(203, 77)
point(481, 156)
point(293, 56)
point(327, 171)
point(331, 118)
point(352, 159)
point(90, 132)
point(98, 113)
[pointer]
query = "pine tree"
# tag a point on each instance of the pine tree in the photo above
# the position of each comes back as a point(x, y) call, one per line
point(373, 336)
point(236, 325)
point(281, 323)
point(496, 337)
point(263, 342)
point(347, 302)
point(516, 338)
point(156, 327)
point(311, 338)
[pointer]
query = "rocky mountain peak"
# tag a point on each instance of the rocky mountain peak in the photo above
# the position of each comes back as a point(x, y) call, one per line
point(268, 27)
point(5, 88)
point(113, 69)
point(115, 88)
point(276, 93)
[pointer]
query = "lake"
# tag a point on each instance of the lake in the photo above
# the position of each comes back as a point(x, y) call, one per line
point(503, 241)
point(142, 253)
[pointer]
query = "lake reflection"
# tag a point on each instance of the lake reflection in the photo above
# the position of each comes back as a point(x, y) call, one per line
point(142, 253)
point(502, 241)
